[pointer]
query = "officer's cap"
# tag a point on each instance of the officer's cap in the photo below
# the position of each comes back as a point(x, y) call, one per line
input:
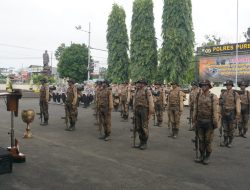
point(71, 81)
point(228, 82)
point(243, 83)
point(124, 82)
point(174, 83)
point(44, 80)
point(157, 83)
point(142, 81)
point(205, 82)
point(105, 82)
point(194, 83)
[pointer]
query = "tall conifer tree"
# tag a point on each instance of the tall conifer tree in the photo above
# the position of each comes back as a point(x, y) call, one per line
point(178, 40)
point(117, 39)
point(143, 49)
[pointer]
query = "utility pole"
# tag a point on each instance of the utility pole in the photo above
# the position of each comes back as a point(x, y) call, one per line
point(80, 28)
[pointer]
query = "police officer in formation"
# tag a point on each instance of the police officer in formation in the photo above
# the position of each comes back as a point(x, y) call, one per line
point(43, 102)
point(159, 102)
point(71, 104)
point(143, 109)
point(245, 103)
point(175, 107)
point(192, 97)
point(124, 100)
point(206, 119)
point(105, 107)
point(230, 112)
point(205, 108)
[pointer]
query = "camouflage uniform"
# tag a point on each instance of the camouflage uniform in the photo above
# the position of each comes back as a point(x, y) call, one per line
point(230, 111)
point(105, 106)
point(116, 98)
point(175, 108)
point(71, 104)
point(159, 103)
point(43, 101)
point(143, 108)
point(124, 98)
point(245, 103)
point(206, 107)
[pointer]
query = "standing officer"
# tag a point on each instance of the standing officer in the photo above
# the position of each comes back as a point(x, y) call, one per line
point(192, 97)
point(71, 104)
point(143, 109)
point(175, 107)
point(230, 111)
point(105, 103)
point(124, 99)
point(206, 107)
point(159, 102)
point(245, 103)
point(43, 101)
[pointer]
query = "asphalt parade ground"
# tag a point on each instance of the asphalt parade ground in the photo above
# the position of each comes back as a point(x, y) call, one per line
point(61, 160)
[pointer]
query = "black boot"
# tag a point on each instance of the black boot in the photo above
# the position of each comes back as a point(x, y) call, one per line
point(225, 142)
point(229, 145)
point(107, 138)
point(71, 127)
point(207, 158)
point(45, 122)
point(200, 158)
point(143, 146)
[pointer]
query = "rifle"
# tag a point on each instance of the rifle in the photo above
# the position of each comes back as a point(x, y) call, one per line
point(154, 119)
point(221, 133)
point(190, 123)
point(66, 118)
point(133, 130)
point(41, 116)
point(196, 143)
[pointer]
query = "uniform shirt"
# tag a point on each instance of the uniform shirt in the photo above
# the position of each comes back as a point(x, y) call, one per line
point(245, 100)
point(44, 93)
point(176, 98)
point(105, 98)
point(230, 101)
point(143, 97)
point(192, 96)
point(71, 95)
point(161, 99)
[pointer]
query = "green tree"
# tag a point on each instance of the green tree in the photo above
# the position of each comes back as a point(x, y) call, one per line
point(143, 48)
point(211, 40)
point(37, 78)
point(59, 51)
point(117, 39)
point(73, 62)
point(178, 40)
point(247, 35)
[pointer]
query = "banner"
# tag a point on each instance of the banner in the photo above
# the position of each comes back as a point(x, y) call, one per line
point(222, 68)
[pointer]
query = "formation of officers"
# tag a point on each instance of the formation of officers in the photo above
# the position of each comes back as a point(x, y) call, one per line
point(228, 112)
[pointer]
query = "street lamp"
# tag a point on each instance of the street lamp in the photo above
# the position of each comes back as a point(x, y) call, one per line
point(80, 28)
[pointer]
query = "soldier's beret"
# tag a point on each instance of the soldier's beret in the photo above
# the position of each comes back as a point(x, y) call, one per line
point(228, 82)
point(205, 82)
point(71, 81)
point(243, 83)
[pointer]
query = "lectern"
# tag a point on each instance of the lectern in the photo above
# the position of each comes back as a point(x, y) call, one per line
point(12, 106)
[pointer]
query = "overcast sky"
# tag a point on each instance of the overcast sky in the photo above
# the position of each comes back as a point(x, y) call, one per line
point(40, 25)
